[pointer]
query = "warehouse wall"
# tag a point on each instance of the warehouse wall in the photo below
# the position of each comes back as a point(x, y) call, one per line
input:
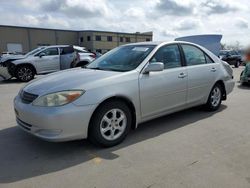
point(30, 38)
point(13, 35)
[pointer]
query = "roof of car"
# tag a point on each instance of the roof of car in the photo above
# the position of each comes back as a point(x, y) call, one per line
point(57, 46)
point(159, 42)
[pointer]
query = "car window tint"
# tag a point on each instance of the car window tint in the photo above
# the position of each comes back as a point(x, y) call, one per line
point(208, 59)
point(193, 55)
point(66, 50)
point(169, 55)
point(50, 51)
point(234, 53)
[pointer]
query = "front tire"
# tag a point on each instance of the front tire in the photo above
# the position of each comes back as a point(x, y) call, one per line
point(110, 124)
point(215, 98)
point(25, 73)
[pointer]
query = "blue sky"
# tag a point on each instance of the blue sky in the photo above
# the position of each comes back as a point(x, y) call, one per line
point(168, 19)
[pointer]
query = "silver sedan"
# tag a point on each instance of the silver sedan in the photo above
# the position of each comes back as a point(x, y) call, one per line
point(129, 85)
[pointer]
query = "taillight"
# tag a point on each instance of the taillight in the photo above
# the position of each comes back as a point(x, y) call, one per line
point(93, 55)
point(77, 56)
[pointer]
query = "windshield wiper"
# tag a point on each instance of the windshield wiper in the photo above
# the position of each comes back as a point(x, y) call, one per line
point(108, 69)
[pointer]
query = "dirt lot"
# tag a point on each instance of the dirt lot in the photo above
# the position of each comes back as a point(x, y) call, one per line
point(191, 148)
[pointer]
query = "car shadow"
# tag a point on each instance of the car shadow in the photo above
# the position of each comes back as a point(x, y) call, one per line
point(245, 86)
point(10, 81)
point(23, 156)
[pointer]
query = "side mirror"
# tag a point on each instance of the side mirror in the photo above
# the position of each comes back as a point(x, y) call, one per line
point(154, 67)
point(42, 54)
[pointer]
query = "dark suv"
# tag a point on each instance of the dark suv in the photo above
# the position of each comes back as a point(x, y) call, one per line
point(231, 57)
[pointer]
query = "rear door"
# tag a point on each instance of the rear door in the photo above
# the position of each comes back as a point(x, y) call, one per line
point(164, 90)
point(67, 57)
point(202, 73)
point(49, 62)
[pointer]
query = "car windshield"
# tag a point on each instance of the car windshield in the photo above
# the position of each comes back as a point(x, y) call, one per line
point(124, 58)
point(35, 51)
point(224, 52)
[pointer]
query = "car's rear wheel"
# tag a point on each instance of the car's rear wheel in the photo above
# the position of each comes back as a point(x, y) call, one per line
point(237, 64)
point(81, 64)
point(215, 98)
point(110, 124)
point(25, 73)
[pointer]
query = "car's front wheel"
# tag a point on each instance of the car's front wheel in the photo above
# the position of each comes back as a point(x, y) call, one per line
point(215, 98)
point(110, 124)
point(25, 73)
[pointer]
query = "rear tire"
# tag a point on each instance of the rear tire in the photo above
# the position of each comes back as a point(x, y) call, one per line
point(110, 124)
point(237, 64)
point(25, 73)
point(215, 98)
point(81, 64)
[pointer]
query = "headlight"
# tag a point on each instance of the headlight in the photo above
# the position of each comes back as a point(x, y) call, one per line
point(58, 98)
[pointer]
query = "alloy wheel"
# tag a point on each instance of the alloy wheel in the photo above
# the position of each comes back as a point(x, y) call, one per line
point(25, 74)
point(216, 97)
point(113, 124)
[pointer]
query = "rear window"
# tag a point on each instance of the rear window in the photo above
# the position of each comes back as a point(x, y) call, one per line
point(66, 50)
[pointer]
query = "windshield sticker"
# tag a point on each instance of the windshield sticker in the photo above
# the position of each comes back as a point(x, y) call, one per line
point(140, 49)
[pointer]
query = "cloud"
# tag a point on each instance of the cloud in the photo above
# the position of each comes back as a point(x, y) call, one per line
point(187, 24)
point(167, 19)
point(171, 7)
point(219, 7)
point(134, 12)
point(169, 33)
point(77, 8)
point(241, 23)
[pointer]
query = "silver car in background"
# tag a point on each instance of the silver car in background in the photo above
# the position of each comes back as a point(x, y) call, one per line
point(129, 85)
point(42, 60)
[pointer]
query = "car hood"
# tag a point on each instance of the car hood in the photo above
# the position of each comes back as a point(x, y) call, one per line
point(77, 78)
point(12, 57)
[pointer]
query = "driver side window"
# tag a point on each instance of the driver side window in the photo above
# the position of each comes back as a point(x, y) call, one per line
point(50, 51)
point(169, 55)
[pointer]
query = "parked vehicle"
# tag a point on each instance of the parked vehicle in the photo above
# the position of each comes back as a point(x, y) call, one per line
point(231, 57)
point(85, 57)
point(128, 85)
point(40, 61)
point(5, 62)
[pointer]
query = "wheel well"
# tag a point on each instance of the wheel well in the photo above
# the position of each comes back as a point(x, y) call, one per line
point(124, 100)
point(224, 94)
point(26, 64)
point(81, 63)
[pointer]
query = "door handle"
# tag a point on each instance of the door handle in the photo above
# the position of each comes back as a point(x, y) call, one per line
point(213, 69)
point(182, 75)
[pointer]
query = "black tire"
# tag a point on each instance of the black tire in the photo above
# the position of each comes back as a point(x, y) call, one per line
point(81, 64)
point(24, 73)
point(95, 134)
point(211, 105)
point(237, 64)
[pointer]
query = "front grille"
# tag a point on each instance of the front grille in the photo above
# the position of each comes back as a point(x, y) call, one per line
point(27, 97)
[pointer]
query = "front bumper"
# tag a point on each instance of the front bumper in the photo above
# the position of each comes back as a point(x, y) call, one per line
point(4, 73)
point(68, 122)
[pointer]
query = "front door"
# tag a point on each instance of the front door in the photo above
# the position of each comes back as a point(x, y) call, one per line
point(164, 90)
point(48, 60)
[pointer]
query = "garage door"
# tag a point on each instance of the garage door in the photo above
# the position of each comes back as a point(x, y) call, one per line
point(14, 47)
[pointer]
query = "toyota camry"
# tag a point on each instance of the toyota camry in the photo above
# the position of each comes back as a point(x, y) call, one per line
point(128, 85)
